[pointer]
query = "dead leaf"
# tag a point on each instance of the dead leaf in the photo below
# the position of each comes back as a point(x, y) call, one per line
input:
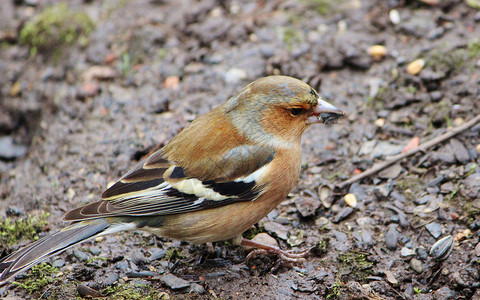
point(412, 144)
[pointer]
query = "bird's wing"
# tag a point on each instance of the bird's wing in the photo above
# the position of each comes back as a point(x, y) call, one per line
point(158, 187)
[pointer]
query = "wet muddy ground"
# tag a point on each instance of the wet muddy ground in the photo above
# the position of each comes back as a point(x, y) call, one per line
point(79, 110)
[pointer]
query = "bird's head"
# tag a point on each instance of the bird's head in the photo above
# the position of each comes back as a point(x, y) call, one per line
point(279, 107)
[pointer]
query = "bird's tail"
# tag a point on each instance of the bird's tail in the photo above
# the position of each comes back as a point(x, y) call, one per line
point(48, 246)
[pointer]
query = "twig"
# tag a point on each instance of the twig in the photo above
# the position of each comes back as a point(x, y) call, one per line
point(439, 139)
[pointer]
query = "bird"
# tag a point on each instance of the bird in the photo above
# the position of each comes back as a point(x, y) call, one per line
point(214, 180)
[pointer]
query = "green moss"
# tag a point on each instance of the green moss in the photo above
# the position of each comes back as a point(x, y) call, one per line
point(174, 254)
point(473, 48)
point(472, 212)
point(410, 185)
point(328, 7)
point(162, 53)
point(377, 102)
point(55, 27)
point(252, 232)
point(355, 263)
point(38, 278)
point(291, 36)
point(411, 89)
point(334, 291)
point(126, 64)
point(454, 192)
point(445, 112)
point(455, 60)
point(13, 231)
point(473, 4)
point(95, 259)
point(134, 292)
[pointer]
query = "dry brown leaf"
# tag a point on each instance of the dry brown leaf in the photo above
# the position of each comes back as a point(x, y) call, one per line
point(412, 144)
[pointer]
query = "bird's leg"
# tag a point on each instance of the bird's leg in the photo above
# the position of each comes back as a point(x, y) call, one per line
point(287, 256)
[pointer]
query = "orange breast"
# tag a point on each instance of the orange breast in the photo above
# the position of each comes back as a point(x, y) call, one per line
point(229, 221)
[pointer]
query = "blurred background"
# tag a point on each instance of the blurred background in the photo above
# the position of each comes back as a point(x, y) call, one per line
point(87, 88)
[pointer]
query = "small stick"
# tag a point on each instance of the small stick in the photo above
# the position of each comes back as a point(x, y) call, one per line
point(439, 139)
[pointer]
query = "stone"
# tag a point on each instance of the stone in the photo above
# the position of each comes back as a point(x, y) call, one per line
point(279, 230)
point(416, 265)
point(174, 282)
point(391, 237)
point(157, 253)
point(80, 255)
point(444, 293)
point(307, 204)
point(9, 150)
point(434, 229)
point(266, 239)
point(196, 288)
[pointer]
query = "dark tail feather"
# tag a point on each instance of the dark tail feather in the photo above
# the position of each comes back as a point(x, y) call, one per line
point(51, 245)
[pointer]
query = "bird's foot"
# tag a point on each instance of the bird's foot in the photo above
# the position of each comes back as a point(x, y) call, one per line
point(284, 257)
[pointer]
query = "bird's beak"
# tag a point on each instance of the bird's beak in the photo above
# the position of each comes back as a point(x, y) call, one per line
point(325, 113)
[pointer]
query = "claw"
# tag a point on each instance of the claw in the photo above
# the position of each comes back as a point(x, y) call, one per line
point(284, 256)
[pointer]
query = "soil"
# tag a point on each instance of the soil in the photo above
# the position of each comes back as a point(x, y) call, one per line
point(74, 118)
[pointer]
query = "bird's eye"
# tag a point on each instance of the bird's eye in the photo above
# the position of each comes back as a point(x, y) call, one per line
point(295, 111)
point(313, 93)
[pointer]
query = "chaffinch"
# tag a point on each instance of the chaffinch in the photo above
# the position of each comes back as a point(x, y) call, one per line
point(214, 180)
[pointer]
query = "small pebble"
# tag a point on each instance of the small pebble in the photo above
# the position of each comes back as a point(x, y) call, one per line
point(110, 279)
point(380, 122)
point(476, 18)
point(216, 263)
point(95, 250)
point(477, 249)
point(265, 238)
point(122, 265)
point(394, 16)
point(307, 203)
point(407, 252)
point(325, 195)
point(367, 238)
point(174, 282)
point(80, 255)
point(424, 200)
point(86, 291)
point(58, 263)
point(395, 219)
point(141, 283)
point(9, 150)
point(436, 96)
point(391, 237)
point(140, 274)
point(13, 211)
point(171, 82)
point(436, 33)
point(138, 258)
point(434, 229)
point(235, 75)
point(458, 121)
point(344, 213)
point(196, 288)
point(416, 265)
point(320, 222)
point(444, 293)
point(422, 253)
point(391, 277)
point(157, 253)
